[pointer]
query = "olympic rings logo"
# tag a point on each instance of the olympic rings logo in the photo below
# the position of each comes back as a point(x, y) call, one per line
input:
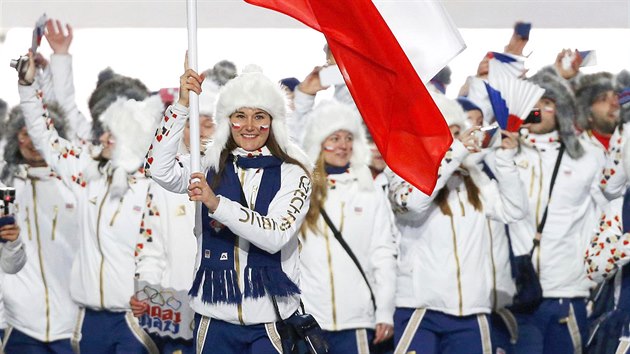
point(160, 298)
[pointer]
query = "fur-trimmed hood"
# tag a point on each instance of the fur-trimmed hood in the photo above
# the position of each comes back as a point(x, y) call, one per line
point(251, 89)
point(12, 127)
point(329, 117)
point(559, 92)
point(588, 87)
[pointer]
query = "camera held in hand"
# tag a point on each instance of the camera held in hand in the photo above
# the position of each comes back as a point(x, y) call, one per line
point(21, 66)
point(6, 212)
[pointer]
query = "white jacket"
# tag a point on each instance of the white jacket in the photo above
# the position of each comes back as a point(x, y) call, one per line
point(37, 299)
point(79, 128)
point(503, 286)
point(333, 290)
point(444, 263)
point(180, 243)
point(571, 217)
point(173, 173)
point(111, 230)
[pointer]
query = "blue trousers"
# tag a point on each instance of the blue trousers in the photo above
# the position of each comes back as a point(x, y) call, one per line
point(350, 341)
point(504, 332)
point(216, 336)
point(431, 332)
point(559, 325)
point(106, 332)
point(168, 345)
point(19, 343)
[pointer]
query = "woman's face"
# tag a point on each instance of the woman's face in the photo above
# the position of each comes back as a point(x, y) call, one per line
point(206, 130)
point(108, 142)
point(337, 148)
point(250, 128)
point(29, 153)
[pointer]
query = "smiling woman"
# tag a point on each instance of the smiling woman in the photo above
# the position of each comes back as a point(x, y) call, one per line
point(255, 194)
point(250, 128)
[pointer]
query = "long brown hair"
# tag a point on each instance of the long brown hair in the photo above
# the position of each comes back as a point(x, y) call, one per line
point(319, 192)
point(472, 192)
point(272, 145)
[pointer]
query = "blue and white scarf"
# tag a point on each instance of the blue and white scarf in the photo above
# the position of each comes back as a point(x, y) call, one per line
point(263, 273)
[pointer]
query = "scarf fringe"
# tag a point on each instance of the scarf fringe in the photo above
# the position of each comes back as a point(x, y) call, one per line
point(268, 280)
point(219, 286)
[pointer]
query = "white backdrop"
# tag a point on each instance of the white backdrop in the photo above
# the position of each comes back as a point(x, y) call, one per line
point(156, 55)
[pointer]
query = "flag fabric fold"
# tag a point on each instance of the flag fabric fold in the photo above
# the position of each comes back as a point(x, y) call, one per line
point(405, 123)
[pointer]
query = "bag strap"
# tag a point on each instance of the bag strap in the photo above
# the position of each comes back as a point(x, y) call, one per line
point(543, 220)
point(345, 246)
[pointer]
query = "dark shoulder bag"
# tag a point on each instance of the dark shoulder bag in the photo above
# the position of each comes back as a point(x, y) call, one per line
point(529, 292)
point(300, 333)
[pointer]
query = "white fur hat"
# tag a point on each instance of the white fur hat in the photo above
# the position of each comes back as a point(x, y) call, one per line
point(208, 97)
point(251, 89)
point(329, 117)
point(133, 125)
point(451, 110)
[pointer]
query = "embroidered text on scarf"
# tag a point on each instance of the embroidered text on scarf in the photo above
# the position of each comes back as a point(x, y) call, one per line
point(263, 273)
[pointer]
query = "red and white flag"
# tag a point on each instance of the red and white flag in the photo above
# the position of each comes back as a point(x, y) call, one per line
point(383, 76)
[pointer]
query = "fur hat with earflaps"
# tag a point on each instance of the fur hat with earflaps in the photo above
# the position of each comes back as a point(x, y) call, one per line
point(251, 89)
point(132, 124)
point(329, 117)
point(12, 127)
point(557, 91)
point(221, 72)
point(588, 87)
point(109, 88)
point(622, 87)
point(451, 110)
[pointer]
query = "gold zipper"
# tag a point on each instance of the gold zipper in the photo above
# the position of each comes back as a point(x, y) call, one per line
point(494, 269)
point(111, 222)
point(343, 204)
point(459, 276)
point(41, 260)
point(98, 240)
point(461, 205)
point(28, 225)
point(54, 222)
point(531, 183)
point(237, 262)
point(332, 279)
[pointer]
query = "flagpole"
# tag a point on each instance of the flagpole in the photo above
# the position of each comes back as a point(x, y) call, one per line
point(191, 12)
point(191, 7)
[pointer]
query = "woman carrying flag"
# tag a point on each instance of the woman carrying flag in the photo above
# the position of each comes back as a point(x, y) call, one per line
point(255, 192)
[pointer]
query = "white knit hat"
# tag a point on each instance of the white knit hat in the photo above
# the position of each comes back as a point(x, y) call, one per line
point(451, 110)
point(329, 117)
point(251, 89)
